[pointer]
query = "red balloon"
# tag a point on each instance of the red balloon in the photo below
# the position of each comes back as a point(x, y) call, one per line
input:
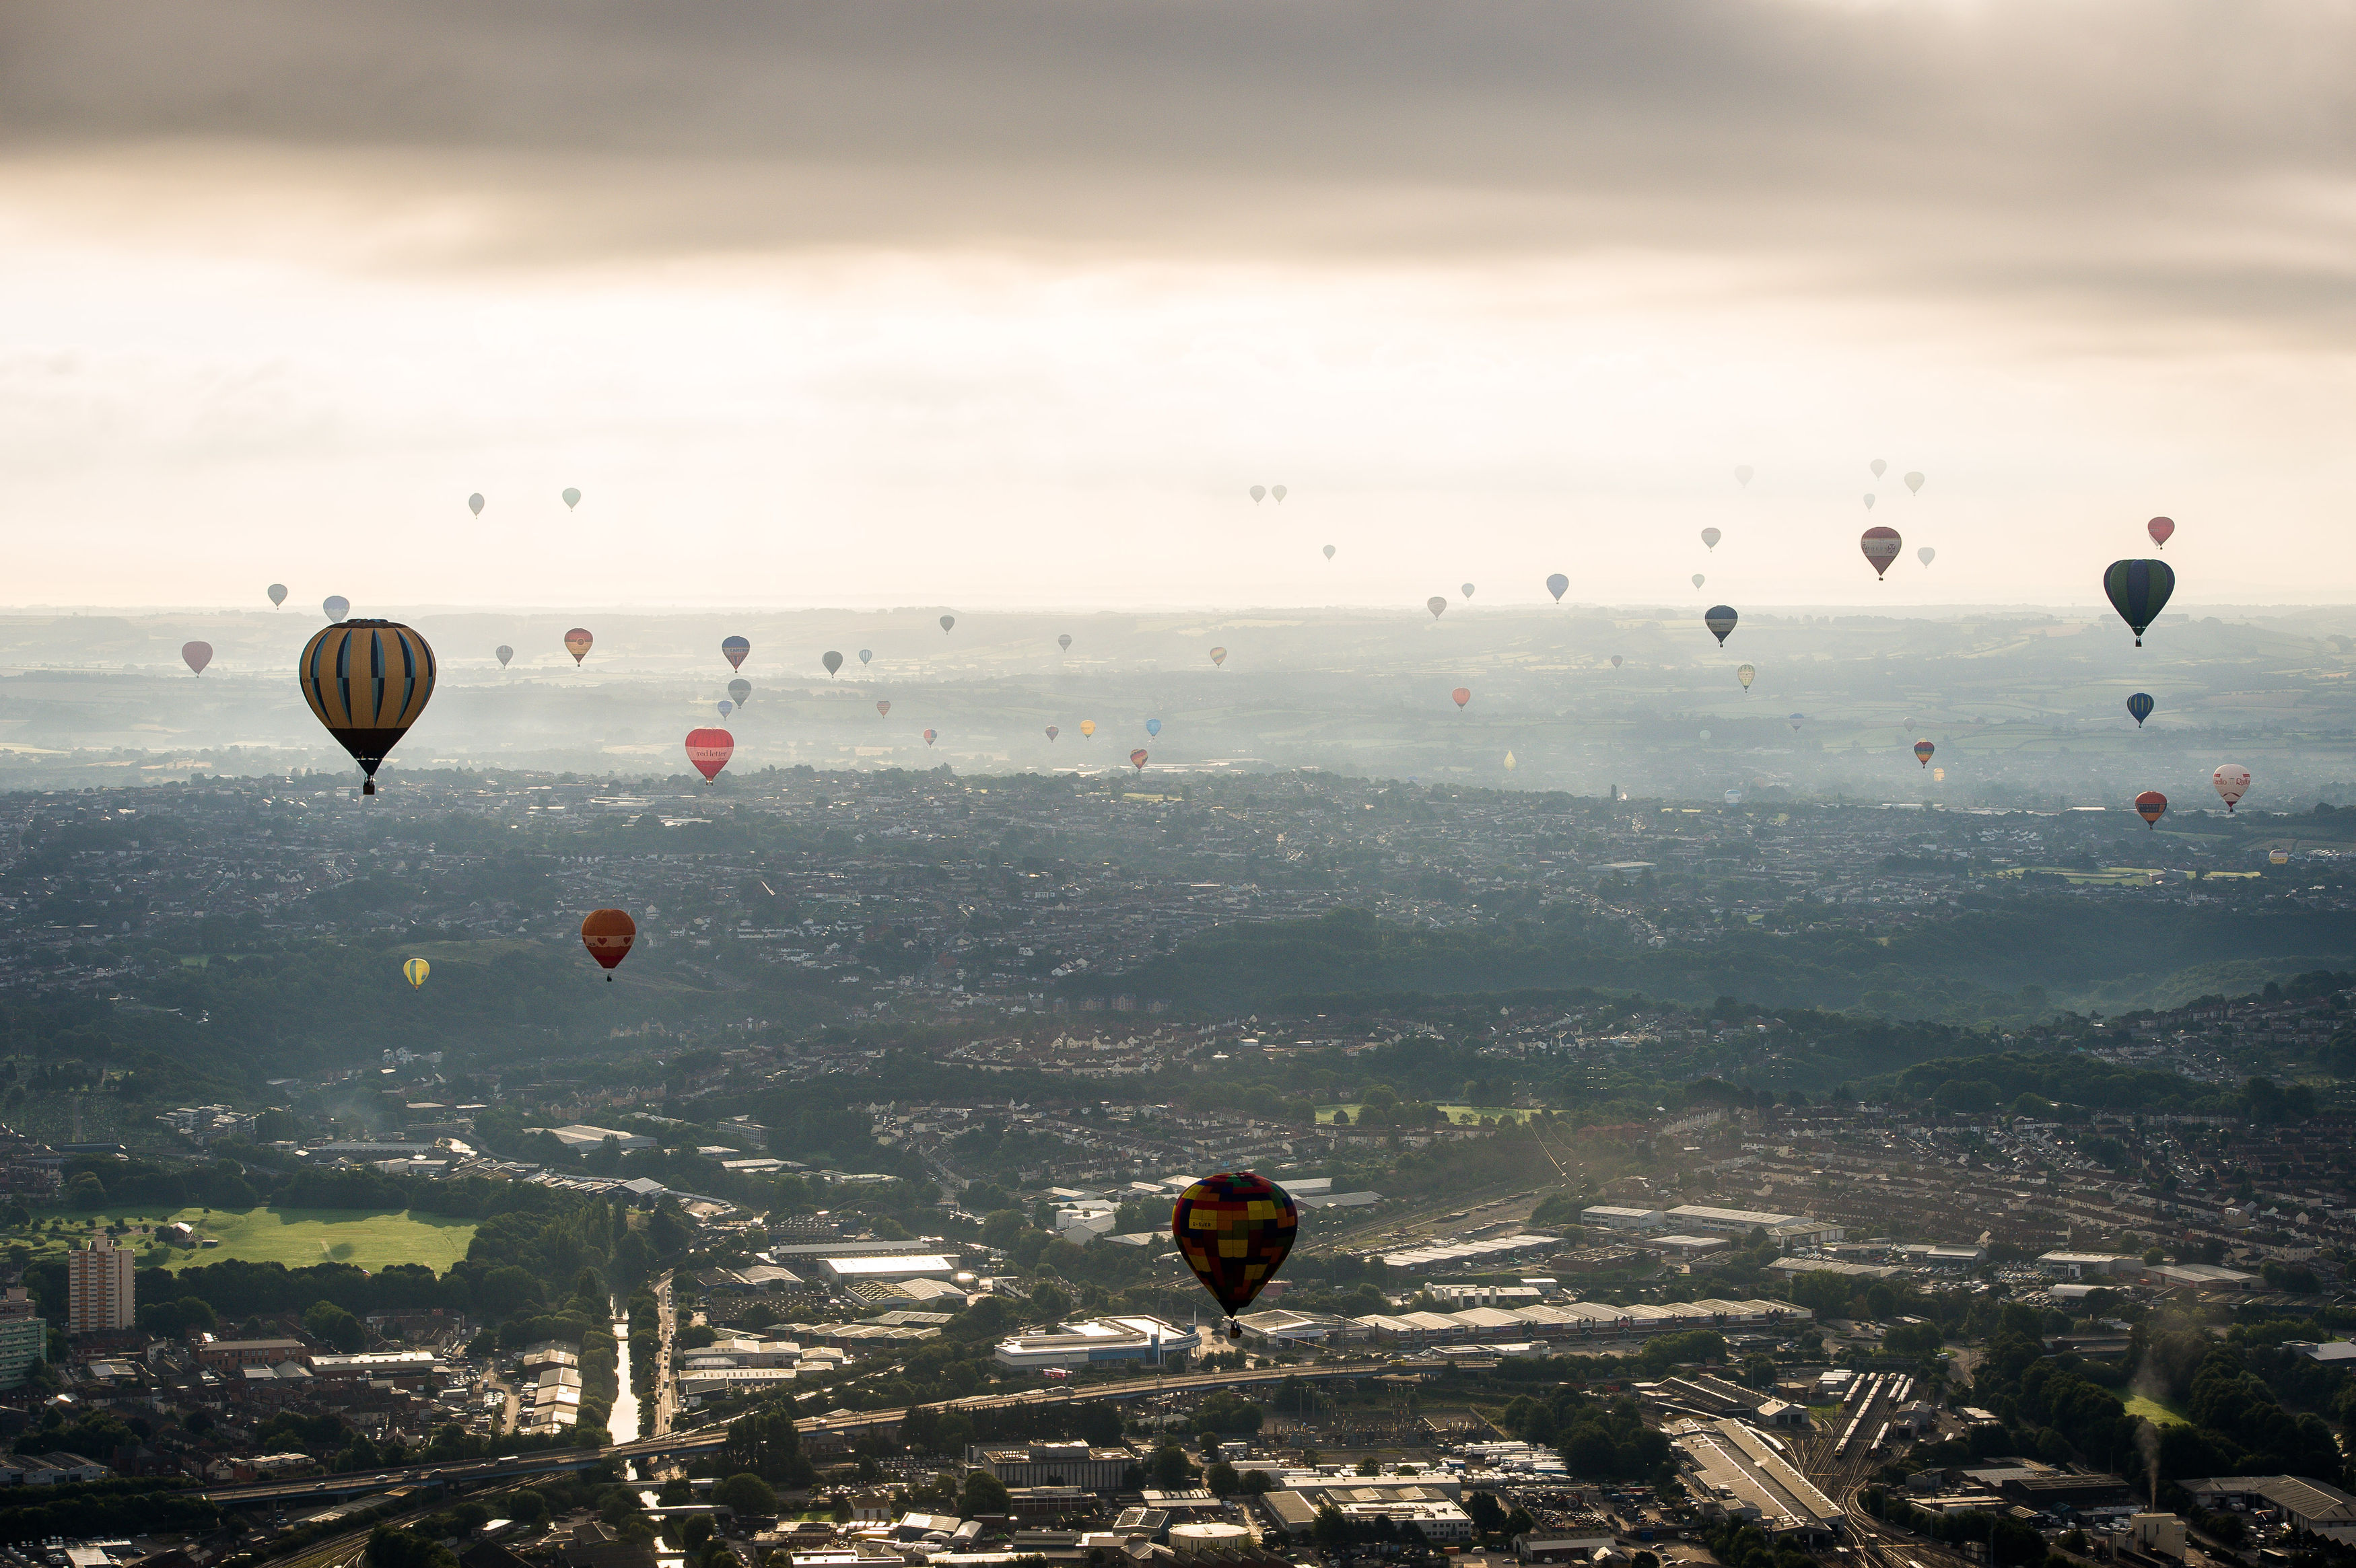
point(710, 749)
point(197, 654)
point(1463, 694)
point(2151, 805)
point(608, 934)
point(2159, 529)
point(1880, 547)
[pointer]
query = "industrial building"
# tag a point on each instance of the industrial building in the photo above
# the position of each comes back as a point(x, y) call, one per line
point(1737, 1472)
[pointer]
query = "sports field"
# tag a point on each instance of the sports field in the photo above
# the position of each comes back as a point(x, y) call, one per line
point(368, 1239)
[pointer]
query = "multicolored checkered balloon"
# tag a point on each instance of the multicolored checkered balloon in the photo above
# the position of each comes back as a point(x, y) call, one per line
point(1235, 1231)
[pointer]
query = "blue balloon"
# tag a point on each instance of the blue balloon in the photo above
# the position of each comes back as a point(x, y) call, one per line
point(1153, 726)
point(2140, 705)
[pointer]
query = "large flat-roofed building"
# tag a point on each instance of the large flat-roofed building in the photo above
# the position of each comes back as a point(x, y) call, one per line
point(1735, 1473)
point(1100, 1471)
point(870, 1269)
point(1441, 1522)
point(2079, 1265)
point(1791, 1230)
point(1099, 1341)
point(98, 1288)
point(2313, 1506)
point(1612, 1217)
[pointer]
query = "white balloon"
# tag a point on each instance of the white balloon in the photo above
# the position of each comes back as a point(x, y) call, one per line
point(1928, 554)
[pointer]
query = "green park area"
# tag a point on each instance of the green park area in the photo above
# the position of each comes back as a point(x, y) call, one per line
point(295, 1237)
point(1454, 1113)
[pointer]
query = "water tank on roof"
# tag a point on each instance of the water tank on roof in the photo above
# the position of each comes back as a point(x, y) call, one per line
point(1208, 1540)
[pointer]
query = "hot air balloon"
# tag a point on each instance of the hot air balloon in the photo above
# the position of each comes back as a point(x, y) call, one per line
point(367, 681)
point(415, 971)
point(930, 736)
point(1923, 750)
point(1615, 657)
point(475, 503)
point(571, 497)
point(608, 934)
point(1153, 726)
point(2160, 528)
point(865, 655)
point(1869, 500)
point(1235, 1231)
point(1720, 620)
point(1558, 585)
point(1709, 538)
point(710, 749)
point(2233, 780)
point(725, 707)
point(1468, 590)
point(335, 606)
point(1795, 721)
point(1258, 494)
point(503, 654)
point(1328, 552)
point(1437, 605)
point(832, 660)
point(2139, 707)
point(1927, 555)
point(2138, 591)
point(1053, 731)
point(1137, 759)
point(739, 690)
point(1064, 642)
point(1880, 547)
point(1218, 656)
point(1914, 482)
point(1509, 761)
point(577, 641)
point(196, 655)
point(885, 707)
point(1277, 491)
point(948, 622)
point(1461, 695)
point(735, 650)
point(1879, 467)
point(1698, 580)
point(1746, 675)
point(1087, 728)
point(1742, 473)
point(277, 594)
point(2151, 805)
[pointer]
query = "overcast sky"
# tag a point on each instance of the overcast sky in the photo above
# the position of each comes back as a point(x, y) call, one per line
point(849, 302)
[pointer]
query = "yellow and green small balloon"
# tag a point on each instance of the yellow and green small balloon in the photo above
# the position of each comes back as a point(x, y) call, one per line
point(417, 969)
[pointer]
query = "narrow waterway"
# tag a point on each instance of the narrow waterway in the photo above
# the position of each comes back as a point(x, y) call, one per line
point(624, 1421)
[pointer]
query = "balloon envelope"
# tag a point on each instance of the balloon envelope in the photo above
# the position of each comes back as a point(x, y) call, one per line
point(1869, 500)
point(1922, 750)
point(415, 971)
point(503, 654)
point(335, 606)
point(475, 503)
point(607, 934)
point(1927, 555)
point(1137, 759)
point(1064, 642)
point(1218, 656)
point(197, 656)
point(1879, 467)
point(367, 681)
point(2138, 591)
point(1153, 726)
point(1461, 695)
point(1795, 721)
point(571, 497)
point(2160, 528)
point(277, 594)
point(832, 660)
point(1277, 491)
point(1720, 620)
point(1087, 728)
point(710, 749)
point(734, 650)
point(1437, 605)
point(946, 622)
point(1053, 731)
point(1742, 473)
point(1235, 1231)
point(1558, 585)
point(865, 655)
point(2140, 706)
point(1468, 590)
point(1259, 492)
point(578, 642)
point(1709, 538)
point(1746, 675)
point(2233, 780)
point(725, 707)
point(1328, 552)
point(1615, 657)
point(1914, 483)
point(930, 736)
point(885, 707)
point(1880, 547)
point(739, 690)
point(2151, 805)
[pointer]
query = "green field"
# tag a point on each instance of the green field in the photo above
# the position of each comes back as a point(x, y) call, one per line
point(2159, 1414)
point(293, 1236)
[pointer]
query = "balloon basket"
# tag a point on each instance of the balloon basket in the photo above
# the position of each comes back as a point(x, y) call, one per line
point(368, 787)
